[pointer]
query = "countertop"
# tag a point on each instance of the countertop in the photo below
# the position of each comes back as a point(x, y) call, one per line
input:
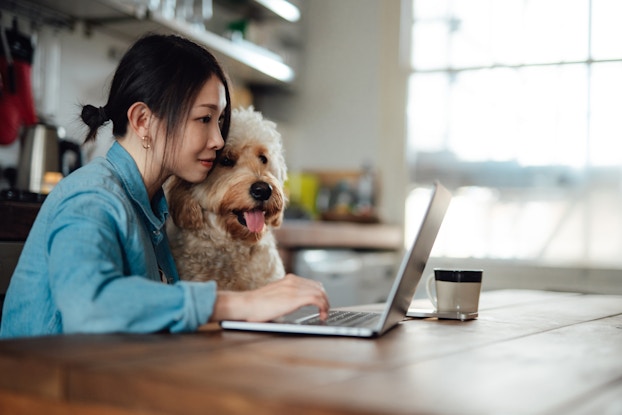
point(312, 234)
point(295, 235)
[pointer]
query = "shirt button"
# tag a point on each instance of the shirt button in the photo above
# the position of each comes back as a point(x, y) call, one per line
point(156, 232)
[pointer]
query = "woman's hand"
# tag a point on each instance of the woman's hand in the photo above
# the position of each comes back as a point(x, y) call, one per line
point(271, 301)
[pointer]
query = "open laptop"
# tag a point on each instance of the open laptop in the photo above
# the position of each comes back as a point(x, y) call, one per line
point(358, 323)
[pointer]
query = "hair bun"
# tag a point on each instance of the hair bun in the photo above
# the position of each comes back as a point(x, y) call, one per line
point(94, 117)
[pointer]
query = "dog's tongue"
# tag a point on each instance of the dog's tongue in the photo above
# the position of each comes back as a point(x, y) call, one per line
point(254, 220)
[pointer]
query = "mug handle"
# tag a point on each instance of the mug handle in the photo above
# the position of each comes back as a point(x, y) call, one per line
point(428, 289)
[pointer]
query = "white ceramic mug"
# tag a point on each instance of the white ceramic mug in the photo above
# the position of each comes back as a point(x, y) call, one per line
point(457, 291)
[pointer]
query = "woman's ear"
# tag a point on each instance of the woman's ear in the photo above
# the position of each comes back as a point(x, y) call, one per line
point(139, 117)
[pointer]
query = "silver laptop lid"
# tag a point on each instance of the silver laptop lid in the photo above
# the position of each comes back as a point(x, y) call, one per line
point(414, 262)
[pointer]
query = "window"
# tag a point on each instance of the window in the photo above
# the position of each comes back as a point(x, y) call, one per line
point(517, 106)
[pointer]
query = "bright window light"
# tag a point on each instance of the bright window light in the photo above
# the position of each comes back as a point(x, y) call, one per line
point(515, 105)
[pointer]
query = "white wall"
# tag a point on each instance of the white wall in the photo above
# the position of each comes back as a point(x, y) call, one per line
point(350, 98)
point(337, 113)
point(87, 67)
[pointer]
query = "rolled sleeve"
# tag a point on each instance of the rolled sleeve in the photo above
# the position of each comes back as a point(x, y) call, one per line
point(199, 299)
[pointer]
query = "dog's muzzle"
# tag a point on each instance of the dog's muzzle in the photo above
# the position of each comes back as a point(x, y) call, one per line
point(261, 191)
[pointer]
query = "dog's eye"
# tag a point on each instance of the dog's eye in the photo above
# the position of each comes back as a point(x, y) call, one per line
point(227, 162)
point(263, 159)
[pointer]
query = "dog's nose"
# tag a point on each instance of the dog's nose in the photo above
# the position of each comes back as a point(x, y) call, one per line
point(261, 191)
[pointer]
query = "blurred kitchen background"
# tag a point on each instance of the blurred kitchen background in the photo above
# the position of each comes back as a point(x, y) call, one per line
point(512, 104)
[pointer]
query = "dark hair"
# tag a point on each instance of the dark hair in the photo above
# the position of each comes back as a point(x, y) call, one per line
point(166, 72)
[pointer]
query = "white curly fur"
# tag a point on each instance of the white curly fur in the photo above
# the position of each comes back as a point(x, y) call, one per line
point(207, 237)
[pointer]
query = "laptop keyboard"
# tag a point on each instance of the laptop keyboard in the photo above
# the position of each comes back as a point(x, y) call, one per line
point(342, 318)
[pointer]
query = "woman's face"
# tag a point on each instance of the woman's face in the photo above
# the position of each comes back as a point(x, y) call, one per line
point(201, 136)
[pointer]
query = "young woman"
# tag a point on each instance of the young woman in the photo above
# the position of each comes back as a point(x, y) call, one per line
point(97, 258)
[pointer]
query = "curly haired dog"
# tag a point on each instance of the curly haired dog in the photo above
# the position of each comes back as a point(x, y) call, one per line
point(221, 227)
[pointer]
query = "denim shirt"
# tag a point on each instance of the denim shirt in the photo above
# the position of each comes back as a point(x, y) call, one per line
point(97, 260)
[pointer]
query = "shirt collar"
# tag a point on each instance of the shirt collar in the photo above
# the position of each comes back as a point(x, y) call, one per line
point(155, 210)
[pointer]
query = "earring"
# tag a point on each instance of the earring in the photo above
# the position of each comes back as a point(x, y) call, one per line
point(146, 142)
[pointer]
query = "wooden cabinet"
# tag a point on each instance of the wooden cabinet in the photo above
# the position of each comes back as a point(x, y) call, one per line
point(16, 218)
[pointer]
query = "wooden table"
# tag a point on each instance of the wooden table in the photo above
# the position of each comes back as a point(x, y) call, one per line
point(530, 352)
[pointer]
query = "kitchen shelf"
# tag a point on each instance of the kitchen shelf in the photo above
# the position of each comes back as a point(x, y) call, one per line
point(281, 8)
point(250, 56)
point(243, 61)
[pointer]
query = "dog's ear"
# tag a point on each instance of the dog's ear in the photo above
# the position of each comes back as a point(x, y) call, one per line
point(283, 200)
point(184, 209)
point(277, 220)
